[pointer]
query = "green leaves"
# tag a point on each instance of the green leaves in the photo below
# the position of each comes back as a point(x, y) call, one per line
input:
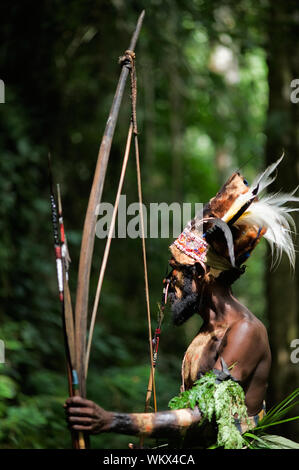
point(8, 387)
point(229, 402)
point(270, 441)
point(226, 400)
point(32, 423)
point(277, 413)
point(222, 401)
point(257, 438)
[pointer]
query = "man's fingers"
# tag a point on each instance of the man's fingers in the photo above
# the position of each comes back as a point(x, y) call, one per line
point(80, 420)
point(80, 411)
point(79, 401)
point(77, 427)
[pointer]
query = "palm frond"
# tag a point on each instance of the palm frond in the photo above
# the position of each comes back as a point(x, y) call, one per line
point(279, 442)
point(276, 412)
point(270, 441)
point(257, 439)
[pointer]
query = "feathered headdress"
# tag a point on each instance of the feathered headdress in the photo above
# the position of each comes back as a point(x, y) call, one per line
point(235, 220)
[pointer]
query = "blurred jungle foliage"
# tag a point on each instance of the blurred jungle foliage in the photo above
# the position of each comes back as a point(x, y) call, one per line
point(203, 112)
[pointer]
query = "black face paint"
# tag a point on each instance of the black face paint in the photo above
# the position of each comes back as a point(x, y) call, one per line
point(183, 308)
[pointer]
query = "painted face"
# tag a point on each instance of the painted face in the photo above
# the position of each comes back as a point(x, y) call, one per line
point(184, 289)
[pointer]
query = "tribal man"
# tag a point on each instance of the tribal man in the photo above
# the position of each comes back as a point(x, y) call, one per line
point(206, 259)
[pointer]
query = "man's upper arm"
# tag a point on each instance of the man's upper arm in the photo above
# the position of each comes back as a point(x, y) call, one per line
point(241, 349)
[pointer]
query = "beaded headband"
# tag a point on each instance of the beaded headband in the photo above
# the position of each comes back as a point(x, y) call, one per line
point(192, 245)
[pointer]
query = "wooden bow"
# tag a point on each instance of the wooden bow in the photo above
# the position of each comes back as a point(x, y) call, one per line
point(88, 238)
point(75, 328)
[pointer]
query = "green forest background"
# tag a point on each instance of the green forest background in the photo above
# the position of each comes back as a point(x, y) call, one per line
point(213, 96)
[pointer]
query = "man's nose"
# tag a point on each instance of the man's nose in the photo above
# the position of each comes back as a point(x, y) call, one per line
point(167, 279)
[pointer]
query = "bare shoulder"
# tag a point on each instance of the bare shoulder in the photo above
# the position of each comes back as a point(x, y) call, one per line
point(249, 327)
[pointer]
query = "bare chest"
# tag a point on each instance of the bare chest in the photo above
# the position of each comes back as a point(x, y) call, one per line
point(201, 355)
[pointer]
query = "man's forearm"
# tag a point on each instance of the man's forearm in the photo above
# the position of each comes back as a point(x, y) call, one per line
point(86, 416)
point(169, 424)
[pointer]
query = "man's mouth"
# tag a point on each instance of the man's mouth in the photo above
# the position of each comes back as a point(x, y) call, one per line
point(182, 309)
point(182, 296)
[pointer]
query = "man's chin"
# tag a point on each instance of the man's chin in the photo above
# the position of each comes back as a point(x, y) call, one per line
point(183, 309)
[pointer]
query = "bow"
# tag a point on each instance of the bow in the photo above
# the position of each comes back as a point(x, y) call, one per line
point(62, 265)
point(75, 327)
point(88, 237)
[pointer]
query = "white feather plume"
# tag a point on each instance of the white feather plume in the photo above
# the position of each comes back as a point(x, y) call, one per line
point(264, 179)
point(271, 212)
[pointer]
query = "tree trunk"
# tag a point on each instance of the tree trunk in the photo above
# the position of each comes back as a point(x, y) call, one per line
point(283, 136)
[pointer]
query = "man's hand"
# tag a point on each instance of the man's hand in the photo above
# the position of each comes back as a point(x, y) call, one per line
point(84, 415)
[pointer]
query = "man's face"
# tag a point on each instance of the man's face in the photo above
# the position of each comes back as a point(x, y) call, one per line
point(183, 291)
